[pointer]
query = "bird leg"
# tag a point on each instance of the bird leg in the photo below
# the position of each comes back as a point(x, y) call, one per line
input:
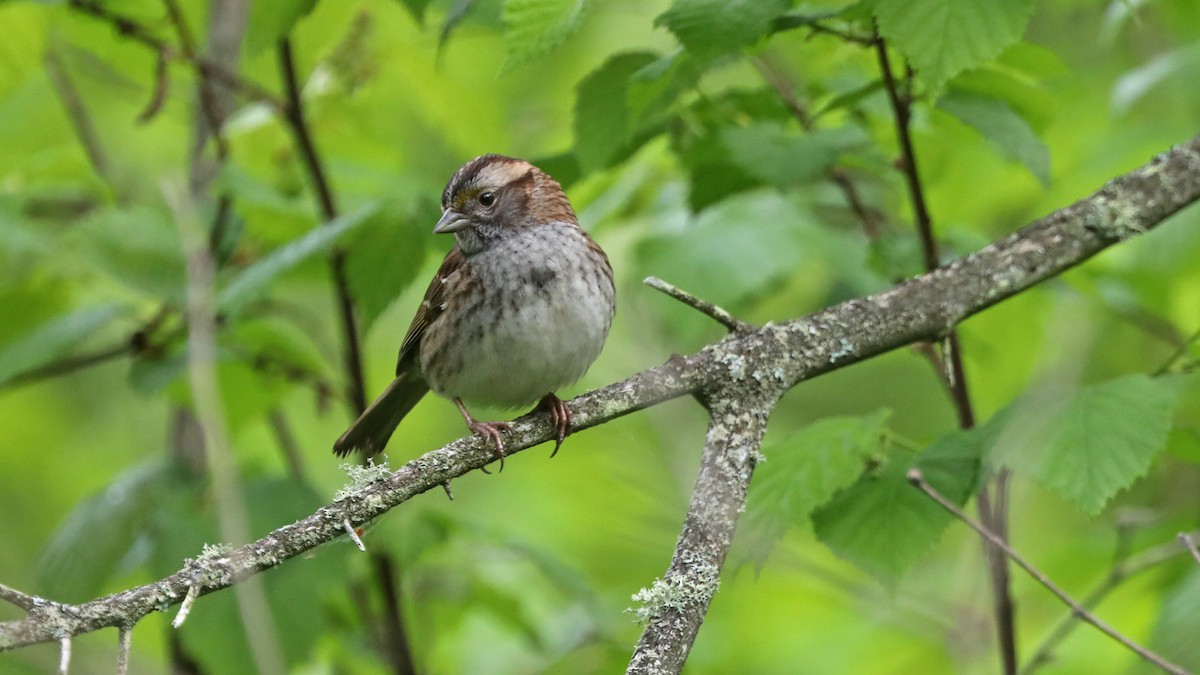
point(489, 430)
point(560, 417)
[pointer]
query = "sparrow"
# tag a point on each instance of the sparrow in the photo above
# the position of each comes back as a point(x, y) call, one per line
point(520, 307)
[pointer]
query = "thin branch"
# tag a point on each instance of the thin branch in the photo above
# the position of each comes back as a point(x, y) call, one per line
point(353, 534)
point(356, 388)
point(395, 641)
point(1121, 571)
point(124, 643)
point(915, 477)
point(15, 597)
point(203, 67)
point(992, 510)
point(185, 607)
point(774, 357)
point(706, 308)
point(209, 104)
point(787, 93)
point(64, 655)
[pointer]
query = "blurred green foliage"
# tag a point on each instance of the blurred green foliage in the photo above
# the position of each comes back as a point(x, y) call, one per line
point(697, 140)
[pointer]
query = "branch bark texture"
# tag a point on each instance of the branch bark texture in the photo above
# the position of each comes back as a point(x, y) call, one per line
point(755, 366)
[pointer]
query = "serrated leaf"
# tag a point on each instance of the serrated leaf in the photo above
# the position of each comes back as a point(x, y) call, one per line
point(711, 28)
point(534, 28)
point(805, 470)
point(602, 116)
point(1090, 443)
point(883, 524)
point(1001, 126)
point(255, 279)
point(52, 340)
point(272, 21)
point(942, 38)
point(778, 157)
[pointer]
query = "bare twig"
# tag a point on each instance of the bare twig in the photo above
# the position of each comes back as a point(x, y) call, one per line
point(185, 607)
point(15, 597)
point(915, 477)
point(64, 655)
point(779, 355)
point(706, 308)
point(287, 444)
point(1122, 570)
point(81, 121)
point(162, 83)
point(124, 643)
point(353, 534)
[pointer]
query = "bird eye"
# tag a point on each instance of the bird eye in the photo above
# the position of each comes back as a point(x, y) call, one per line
point(487, 198)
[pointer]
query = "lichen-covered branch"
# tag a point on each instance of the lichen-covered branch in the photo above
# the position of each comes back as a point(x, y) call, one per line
point(768, 360)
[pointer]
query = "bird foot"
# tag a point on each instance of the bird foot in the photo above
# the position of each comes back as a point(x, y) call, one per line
point(491, 431)
point(560, 417)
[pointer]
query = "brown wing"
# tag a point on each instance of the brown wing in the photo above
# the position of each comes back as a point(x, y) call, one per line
point(431, 307)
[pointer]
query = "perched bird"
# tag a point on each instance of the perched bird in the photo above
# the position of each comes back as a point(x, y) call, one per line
point(520, 307)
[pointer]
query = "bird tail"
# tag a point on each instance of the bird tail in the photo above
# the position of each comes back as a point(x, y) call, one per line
point(371, 431)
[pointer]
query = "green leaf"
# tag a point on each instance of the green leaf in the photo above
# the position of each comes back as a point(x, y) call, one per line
point(255, 279)
point(778, 157)
point(883, 524)
point(711, 28)
point(805, 470)
point(941, 38)
point(715, 259)
point(138, 247)
point(52, 340)
point(602, 116)
point(384, 256)
point(534, 28)
point(272, 21)
point(1007, 131)
point(417, 9)
point(1090, 443)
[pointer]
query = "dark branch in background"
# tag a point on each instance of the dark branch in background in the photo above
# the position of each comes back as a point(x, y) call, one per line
point(81, 121)
point(993, 512)
point(203, 66)
point(755, 366)
point(915, 477)
point(294, 112)
point(392, 623)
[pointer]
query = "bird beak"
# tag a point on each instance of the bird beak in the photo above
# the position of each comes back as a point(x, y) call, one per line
point(451, 221)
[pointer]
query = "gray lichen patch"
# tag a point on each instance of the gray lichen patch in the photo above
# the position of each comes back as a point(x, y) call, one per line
point(361, 477)
point(677, 592)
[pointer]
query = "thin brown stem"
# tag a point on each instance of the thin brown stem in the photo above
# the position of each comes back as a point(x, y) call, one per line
point(787, 93)
point(356, 389)
point(203, 67)
point(915, 477)
point(1124, 568)
point(993, 509)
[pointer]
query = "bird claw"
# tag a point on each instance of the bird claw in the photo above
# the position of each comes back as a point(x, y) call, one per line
point(560, 418)
point(491, 431)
